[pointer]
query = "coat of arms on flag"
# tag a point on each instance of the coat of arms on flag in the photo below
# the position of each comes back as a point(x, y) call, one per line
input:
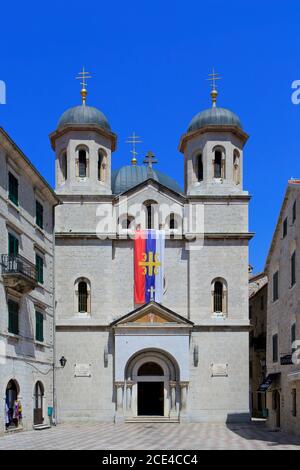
point(149, 251)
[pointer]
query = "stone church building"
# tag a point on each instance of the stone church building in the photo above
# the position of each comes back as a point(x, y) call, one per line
point(184, 358)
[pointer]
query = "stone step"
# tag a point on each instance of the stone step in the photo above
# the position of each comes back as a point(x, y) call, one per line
point(151, 419)
point(40, 427)
point(13, 430)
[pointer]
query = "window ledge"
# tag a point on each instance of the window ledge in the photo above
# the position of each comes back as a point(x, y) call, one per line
point(15, 336)
point(223, 316)
point(86, 315)
point(12, 204)
point(39, 343)
point(293, 286)
point(39, 229)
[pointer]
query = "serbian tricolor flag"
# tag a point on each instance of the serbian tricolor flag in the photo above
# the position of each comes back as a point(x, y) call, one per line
point(149, 252)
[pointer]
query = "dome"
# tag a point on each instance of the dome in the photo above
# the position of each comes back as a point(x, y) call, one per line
point(129, 176)
point(83, 114)
point(214, 117)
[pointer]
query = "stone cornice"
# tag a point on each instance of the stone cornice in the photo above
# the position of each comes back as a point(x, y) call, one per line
point(219, 198)
point(86, 127)
point(24, 165)
point(61, 326)
point(96, 198)
point(114, 236)
point(211, 129)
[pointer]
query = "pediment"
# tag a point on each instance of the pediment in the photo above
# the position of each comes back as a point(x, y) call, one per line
point(152, 186)
point(152, 314)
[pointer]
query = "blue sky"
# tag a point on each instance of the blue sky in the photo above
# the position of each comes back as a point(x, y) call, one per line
point(149, 61)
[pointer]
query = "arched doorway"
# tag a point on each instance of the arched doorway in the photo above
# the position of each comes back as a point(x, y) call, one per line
point(152, 384)
point(11, 396)
point(38, 417)
point(150, 390)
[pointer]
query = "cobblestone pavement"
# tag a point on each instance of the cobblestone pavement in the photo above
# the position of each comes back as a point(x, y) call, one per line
point(149, 436)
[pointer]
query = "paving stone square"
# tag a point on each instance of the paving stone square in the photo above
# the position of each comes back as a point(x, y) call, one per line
point(148, 436)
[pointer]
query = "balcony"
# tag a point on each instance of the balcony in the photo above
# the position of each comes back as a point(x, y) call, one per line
point(18, 273)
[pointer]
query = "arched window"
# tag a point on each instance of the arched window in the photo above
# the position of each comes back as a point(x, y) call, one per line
point(173, 221)
point(102, 166)
point(125, 222)
point(218, 164)
point(64, 166)
point(150, 368)
point(83, 296)
point(150, 214)
point(236, 167)
point(172, 224)
point(199, 167)
point(219, 296)
point(82, 163)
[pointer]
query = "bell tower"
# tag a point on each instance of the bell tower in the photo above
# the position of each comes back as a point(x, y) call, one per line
point(213, 150)
point(83, 143)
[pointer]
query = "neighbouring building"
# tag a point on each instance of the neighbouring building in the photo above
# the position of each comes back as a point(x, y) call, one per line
point(26, 290)
point(283, 327)
point(258, 299)
point(182, 357)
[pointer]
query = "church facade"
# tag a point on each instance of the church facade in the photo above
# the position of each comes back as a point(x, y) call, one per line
point(182, 356)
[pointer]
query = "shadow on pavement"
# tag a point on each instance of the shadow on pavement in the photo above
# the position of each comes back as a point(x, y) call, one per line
point(258, 431)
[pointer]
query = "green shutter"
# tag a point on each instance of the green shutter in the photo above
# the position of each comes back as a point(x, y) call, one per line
point(39, 215)
point(13, 245)
point(39, 263)
point(39, 326)
point(13, 317)
point(13, 189)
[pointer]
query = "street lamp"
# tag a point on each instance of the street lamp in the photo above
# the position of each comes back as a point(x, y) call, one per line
point(63, 361)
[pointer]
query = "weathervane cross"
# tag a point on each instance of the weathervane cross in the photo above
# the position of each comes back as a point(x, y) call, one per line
point(83, 76)
point(150, 159)
point(133, 140)
point(212, 77)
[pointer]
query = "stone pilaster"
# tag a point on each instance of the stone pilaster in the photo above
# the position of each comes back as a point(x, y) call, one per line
point(119, 401)
point(183, 400)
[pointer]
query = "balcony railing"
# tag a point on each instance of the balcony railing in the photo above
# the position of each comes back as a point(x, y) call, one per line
point(18, 272)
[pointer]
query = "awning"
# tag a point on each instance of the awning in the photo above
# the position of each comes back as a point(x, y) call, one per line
point(268, 382)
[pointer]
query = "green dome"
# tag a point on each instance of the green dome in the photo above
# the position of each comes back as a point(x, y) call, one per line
point(214, 117)
point(127, 177)
point(83, 115)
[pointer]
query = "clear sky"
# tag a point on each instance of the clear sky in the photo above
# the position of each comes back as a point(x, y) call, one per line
point(149, 61)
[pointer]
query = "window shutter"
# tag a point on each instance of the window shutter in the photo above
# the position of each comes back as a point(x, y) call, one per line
point(13, 317)
point(13, 245)
point(13, 189)
point(39, 263)
point(39, 331)
point(39, 218)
